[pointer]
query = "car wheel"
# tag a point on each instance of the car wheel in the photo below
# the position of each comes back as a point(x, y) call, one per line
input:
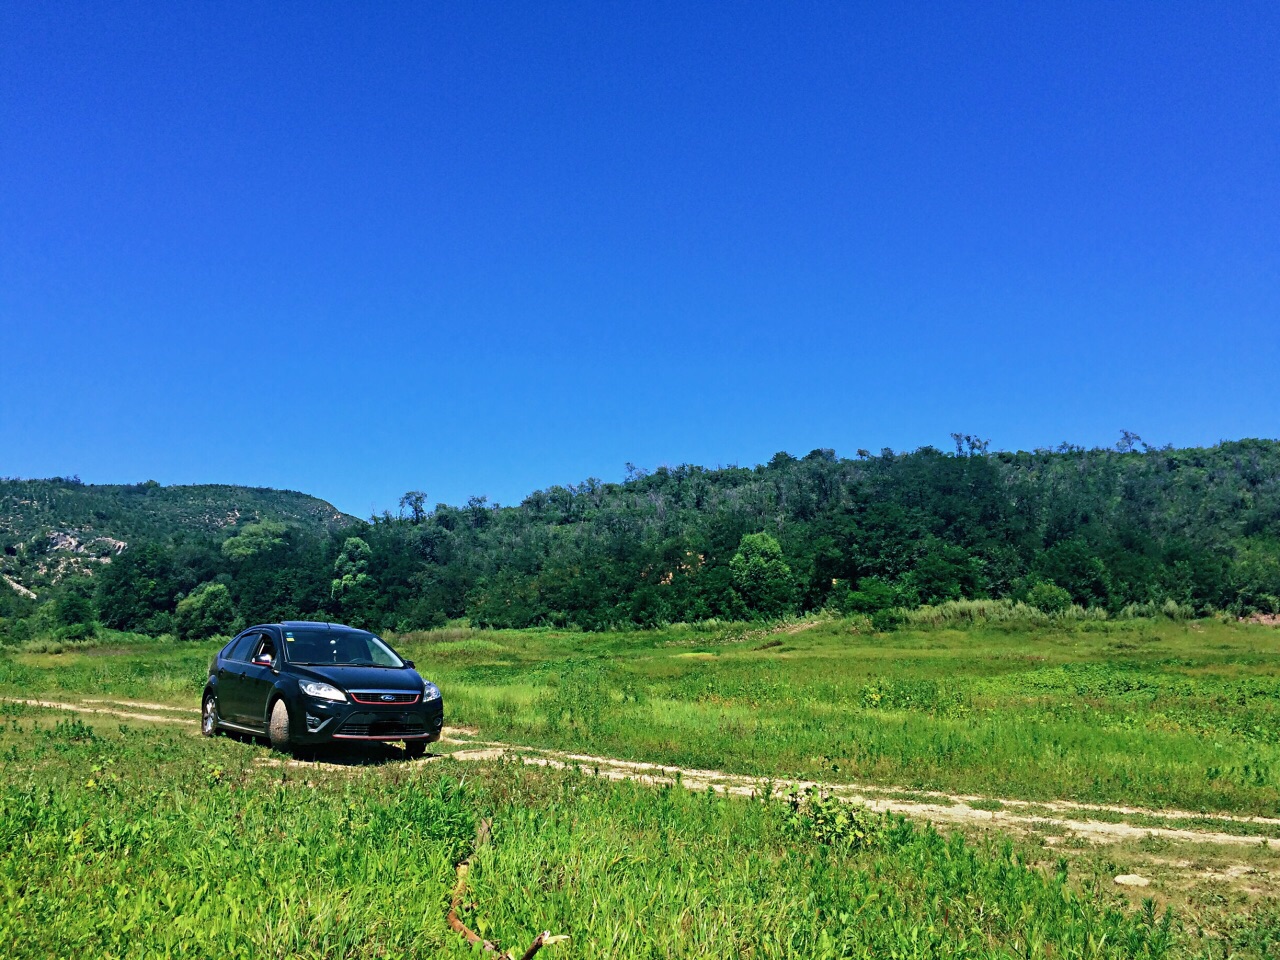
point(209, 715)
point(278, 726)
point(415, 748)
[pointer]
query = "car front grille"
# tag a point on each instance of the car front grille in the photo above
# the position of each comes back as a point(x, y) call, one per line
point(383, 696)
point(382, 728)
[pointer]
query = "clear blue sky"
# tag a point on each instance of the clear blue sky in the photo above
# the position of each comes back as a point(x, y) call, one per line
point(482, 248)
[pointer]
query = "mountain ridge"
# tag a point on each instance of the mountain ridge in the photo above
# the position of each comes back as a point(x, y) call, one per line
point(59, 526)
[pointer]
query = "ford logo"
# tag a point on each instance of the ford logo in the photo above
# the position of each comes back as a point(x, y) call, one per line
point(389, 697)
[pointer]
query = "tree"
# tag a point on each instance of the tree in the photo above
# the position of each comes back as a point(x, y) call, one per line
point(1128, 441)
point(415, 502)
point(761, 575)
point(137, 589)
point(253, 539)
point(351, 567)
point(353, 586)
point(205, 612)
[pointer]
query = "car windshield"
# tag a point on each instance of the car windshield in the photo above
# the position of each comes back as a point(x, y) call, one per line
point(349, 647)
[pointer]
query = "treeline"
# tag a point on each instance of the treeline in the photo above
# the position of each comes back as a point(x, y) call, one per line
point(1104, 529)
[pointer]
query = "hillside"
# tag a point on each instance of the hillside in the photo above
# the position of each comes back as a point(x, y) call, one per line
point(1115, 532)
point(54, 527)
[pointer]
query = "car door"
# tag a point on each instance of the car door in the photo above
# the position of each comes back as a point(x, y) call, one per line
point(259, 678)
point(231, 675)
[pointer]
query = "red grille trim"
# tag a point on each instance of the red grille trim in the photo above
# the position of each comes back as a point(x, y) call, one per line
point(400, 699)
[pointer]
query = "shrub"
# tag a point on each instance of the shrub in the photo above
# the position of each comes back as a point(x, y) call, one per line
point(206, 612)
point(819, 817)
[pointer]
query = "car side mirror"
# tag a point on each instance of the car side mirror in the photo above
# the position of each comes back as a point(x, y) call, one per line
point(409, 664)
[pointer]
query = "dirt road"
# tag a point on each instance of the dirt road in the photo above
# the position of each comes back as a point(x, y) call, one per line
point(1099, 823)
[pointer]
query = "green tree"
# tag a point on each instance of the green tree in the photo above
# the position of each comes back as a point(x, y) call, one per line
point(352, 586)
point(351, 567)
point(415, 501)
point(254, 539)
point(873, 594)
point(137, 589)
point(205, 612)
point(761, 576)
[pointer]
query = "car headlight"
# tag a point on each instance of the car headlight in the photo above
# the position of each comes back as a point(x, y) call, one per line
point(321, 691)
point(430, 691)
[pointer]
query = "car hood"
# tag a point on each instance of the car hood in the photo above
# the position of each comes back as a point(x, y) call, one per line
point(364, 678)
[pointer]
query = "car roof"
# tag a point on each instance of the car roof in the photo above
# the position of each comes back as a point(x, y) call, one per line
point(309, 625)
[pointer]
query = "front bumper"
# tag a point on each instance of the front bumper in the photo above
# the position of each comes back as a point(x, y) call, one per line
point(322, 721)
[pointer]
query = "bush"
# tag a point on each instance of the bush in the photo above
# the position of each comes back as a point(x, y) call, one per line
point(886, 621)
point(206, 612)
point(822, 818)
point(1048, 598)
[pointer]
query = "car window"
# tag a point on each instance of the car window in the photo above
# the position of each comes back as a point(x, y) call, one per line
point(380, 653)
point(354, 647)
point(242, 646)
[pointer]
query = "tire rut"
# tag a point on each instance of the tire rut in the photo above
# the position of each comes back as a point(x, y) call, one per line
point(937, 807)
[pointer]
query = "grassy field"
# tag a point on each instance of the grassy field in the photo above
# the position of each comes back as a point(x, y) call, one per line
point(1154, 713)
point(1148, 712)
point(132, 839)
point(151, 842)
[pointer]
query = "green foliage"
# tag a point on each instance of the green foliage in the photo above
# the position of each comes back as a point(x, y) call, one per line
point(140, 587)
point(254, 539)
point(352, 566)
point(51, 527)
point(761, 576)
point(823, 819)
point(352, 586)
point(873, 595)
point(206, 612)
point(1048, 598)
point(1193, 530)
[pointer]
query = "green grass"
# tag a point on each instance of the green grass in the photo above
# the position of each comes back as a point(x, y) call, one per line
point(142, 841)
point(1152, 713)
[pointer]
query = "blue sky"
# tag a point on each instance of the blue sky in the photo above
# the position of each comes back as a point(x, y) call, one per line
point(485, 248)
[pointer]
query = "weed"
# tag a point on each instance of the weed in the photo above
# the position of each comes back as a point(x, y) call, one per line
point(823, 819)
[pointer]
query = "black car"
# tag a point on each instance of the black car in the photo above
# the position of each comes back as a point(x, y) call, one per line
point(302, 682)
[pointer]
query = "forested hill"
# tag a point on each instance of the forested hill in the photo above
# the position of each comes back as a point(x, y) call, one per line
point(52, 527)
point(1106, 529)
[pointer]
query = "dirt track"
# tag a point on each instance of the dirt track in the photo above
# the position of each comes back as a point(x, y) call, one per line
point(1019, 816)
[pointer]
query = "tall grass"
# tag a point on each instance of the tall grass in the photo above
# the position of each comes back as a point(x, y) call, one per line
point(148, 843)
point(968, 612)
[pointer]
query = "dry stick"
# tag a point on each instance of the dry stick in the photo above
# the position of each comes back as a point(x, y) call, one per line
point(536, 945)
point(483, 831)
point(456, 901)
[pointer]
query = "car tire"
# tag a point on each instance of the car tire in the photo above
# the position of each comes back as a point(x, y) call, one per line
point(209, 715)
point(413, 749)
point(278, 727)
